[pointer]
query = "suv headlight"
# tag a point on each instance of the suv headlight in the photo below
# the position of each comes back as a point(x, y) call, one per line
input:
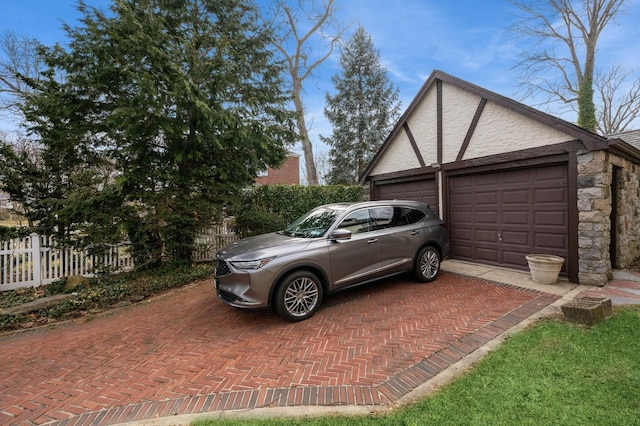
point(250, 264)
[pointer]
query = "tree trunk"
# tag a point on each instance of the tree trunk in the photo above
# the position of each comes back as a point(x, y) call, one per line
point(307, 146)
point(586, 107)
point(300, 25)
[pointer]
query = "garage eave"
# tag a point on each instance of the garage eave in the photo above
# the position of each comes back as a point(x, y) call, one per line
point(624, 149)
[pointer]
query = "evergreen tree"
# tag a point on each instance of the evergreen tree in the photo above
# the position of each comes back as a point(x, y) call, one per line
point(182, 98)
point(362, 111)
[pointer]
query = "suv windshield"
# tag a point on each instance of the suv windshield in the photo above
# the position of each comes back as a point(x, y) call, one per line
point(315, 223)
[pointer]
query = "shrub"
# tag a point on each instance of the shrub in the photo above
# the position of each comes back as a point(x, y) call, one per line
point(255, 222)
point(269, 208)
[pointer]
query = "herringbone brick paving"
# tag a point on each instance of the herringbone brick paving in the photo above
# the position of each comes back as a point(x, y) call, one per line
point(187, 352)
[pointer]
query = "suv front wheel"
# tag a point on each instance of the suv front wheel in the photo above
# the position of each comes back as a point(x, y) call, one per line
point(298, 296)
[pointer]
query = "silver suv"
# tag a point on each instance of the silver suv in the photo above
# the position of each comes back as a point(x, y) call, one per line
point(331, 248)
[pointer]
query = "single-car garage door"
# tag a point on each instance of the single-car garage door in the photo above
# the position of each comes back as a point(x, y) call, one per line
point(500, 217)
point(418, 190)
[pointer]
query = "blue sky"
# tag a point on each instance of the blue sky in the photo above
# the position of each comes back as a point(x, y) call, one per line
point(468, 39)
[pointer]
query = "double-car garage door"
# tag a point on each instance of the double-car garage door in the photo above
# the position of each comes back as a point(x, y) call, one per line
point(499, 217)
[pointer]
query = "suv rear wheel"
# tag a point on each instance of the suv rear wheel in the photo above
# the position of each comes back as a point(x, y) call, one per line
point(427, 264)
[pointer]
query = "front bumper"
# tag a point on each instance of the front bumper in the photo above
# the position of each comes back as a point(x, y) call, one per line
point(244, 289)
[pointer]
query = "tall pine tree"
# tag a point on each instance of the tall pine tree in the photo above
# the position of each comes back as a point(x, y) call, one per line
point(362, 111)
point(182, 97)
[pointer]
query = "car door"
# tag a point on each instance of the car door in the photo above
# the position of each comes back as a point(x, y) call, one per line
point(399, 233)
point(356, 259)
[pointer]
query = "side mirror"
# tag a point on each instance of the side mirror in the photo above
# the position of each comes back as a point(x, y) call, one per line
point(340, 234)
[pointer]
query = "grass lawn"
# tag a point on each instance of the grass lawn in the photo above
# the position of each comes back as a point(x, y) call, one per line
point(554, 373)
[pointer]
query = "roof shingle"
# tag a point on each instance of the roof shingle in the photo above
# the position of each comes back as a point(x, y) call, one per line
point(631, 137)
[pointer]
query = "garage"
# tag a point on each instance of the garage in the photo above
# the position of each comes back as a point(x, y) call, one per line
point(419, 190)
point(511, 180)
point(500, 217)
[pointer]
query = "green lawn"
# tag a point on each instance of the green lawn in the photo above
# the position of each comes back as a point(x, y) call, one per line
point(554, 373)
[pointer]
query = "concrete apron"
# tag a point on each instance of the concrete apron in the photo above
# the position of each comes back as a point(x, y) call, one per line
point(509, 276)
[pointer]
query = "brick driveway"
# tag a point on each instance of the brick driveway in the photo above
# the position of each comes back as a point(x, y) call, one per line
point(186, 352)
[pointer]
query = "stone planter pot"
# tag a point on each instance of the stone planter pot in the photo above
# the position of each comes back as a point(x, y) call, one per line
point(544, 268)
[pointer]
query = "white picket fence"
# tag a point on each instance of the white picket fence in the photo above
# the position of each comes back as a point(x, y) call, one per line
point(34, 260)
point(207, 244)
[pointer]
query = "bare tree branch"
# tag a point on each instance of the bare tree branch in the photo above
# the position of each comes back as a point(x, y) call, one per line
point(19, 59)
point(299, 48)
point(563, 36)
point(617, 110)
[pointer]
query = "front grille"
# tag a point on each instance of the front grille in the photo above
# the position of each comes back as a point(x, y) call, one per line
point(222, 268)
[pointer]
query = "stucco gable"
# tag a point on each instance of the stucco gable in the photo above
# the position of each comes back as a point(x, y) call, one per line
point(458, 109)
point(501, 130)
point(452, 120)
point(399, 156)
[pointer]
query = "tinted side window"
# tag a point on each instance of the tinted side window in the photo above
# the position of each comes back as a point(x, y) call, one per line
point(382, 217)
point(356, 222)
point(389, 217)
point(408, 215)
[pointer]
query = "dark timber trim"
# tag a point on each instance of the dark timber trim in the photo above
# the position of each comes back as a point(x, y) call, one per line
point(522, 158)
point(404, 175)
point(414, 145)
point(574, 217)
point(439, 122)
point(472, 128)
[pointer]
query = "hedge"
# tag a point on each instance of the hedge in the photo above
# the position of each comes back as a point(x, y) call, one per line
point(270, 208)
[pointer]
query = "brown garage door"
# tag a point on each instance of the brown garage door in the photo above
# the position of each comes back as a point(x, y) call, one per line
point(419, 190)
point(498, 218)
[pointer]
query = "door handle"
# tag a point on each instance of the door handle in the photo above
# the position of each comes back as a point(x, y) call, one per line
point(415, 232)
point(371, 241)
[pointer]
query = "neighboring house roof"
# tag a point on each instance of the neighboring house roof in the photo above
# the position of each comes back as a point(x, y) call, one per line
point(631, 137)
point(626, 144)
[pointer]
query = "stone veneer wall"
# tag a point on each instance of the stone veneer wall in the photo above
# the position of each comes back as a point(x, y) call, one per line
point(595, 174)
point(628, 211)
